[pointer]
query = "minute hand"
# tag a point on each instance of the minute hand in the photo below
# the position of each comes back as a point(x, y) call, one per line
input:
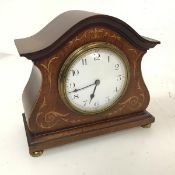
point(75, 90)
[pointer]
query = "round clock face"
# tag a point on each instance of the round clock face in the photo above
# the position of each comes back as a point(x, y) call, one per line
point(93, 78)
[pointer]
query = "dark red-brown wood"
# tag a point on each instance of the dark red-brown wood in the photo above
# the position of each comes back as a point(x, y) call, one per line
point(48, 121)
point(57, 138)
point(70, 23)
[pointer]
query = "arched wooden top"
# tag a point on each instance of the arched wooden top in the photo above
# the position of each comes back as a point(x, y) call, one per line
point(64, 26)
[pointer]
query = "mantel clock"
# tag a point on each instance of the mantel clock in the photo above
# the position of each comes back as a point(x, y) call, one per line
point(86, 79)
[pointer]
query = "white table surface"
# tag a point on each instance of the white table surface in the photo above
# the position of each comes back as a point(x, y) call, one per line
point(134, 151)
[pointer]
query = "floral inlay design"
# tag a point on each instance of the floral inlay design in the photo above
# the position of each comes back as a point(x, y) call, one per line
point(47, 68)
point(50, 118)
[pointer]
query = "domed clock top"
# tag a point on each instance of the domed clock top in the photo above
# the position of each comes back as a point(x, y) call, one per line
point(54, 35)
point(86, 79)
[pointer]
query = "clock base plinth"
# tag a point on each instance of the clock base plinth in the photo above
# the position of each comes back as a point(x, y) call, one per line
point(47, 140)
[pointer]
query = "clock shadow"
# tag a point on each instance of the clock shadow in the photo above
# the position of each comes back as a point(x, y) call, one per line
point(3, 55)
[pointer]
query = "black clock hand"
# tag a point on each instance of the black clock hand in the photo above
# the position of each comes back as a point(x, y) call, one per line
point(97, 82)
point(75, 90)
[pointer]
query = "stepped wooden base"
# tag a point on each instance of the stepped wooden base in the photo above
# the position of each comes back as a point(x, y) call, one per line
point(43, 141)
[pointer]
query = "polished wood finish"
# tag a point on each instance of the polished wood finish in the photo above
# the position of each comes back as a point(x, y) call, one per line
point(41, 142)
point(50, 113)
point(59, 31)
point(48, 121)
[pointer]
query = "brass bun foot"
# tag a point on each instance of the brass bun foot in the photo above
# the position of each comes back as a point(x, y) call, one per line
point(36, 153)
point(146, 126)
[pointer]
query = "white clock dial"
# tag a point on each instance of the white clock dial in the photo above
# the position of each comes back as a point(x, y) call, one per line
point(95, 79)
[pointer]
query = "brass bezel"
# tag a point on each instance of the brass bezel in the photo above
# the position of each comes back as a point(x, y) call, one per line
point(73, 57)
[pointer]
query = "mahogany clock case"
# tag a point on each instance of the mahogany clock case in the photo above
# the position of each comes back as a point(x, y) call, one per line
point(48, 121)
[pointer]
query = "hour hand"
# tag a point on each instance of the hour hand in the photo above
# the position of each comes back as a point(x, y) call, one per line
point(97, 82)
point(91, 97)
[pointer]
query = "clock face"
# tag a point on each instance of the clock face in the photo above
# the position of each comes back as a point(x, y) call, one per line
point(94, 77)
